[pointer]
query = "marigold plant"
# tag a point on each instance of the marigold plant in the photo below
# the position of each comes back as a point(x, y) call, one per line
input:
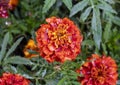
point(13, 79)
point(59, 40)
point(98, 70)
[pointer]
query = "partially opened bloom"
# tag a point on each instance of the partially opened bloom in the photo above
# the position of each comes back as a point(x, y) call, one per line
point(30, 46)
point(13, 79)
point(6, 5)
point(59, 40)
point(12, 4)
point(98, 71)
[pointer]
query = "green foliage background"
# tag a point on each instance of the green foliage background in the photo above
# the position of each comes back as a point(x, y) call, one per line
point(98, 20)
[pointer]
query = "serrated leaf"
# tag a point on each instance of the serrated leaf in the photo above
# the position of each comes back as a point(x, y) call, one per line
point(18, 60)
point(47, 5)
point(68, 3)
point(106, 7)
point(13, 47)
point(96, 27)
point(4, 46)
point(78, 7)
point(85, 14)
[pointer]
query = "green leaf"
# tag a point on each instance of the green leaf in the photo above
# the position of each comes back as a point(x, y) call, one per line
point(104, 49)
point(51, 82)
point(48, 4)
point(116, 20)
point(61, 82)
point(78, 7)
point(110, 1)
point(10, 68)
point(96, 27)
point(68, 3)
point(4, 46)
point(88, 42)
point(118, 82)
point(85, 14)
point(106, 7)
point(18, 60)
point(13, 47)
point(107, 32)
point(44, 73)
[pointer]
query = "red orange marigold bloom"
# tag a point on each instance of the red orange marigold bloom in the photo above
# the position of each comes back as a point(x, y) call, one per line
point(30, 46)
point(59, 40)
point(98, 71)
point(3, 8)
point(13, 79)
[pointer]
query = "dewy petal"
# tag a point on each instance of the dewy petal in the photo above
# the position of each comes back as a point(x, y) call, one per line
point(98, 70)
point(59, 39)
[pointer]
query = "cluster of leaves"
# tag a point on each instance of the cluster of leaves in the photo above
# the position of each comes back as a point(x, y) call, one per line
point(99, 23)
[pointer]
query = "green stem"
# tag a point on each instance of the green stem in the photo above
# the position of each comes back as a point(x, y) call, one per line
point(92, 3)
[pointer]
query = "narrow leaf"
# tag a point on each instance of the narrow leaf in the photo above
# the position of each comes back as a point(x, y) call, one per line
point(13, 47)
point(48, 4)
point(105, 6)
point(4, 46)
point(110, 1)
point(107, 32)
point(18, 60)
point(88, 42)
point(85, 14)
point(61, 82)
point(116, 20)
point(51, 82)
point(68, 3)
point(118, 82)
point(78, 7)
point(96, 27)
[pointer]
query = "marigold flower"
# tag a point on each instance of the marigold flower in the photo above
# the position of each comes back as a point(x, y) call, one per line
point(98, 71)
point(5, 5)
point(3, 8)
point(12, 4)
point(59, 40)
point(30, 46)
point(13, 79)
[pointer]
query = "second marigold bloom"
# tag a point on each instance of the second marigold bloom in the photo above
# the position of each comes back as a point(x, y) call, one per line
point(13, 79)
point(59, 40)
point(98, 71)
point(30, 46)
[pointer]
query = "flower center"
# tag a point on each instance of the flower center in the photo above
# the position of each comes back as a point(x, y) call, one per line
point(99, 74)
point(60, 35)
